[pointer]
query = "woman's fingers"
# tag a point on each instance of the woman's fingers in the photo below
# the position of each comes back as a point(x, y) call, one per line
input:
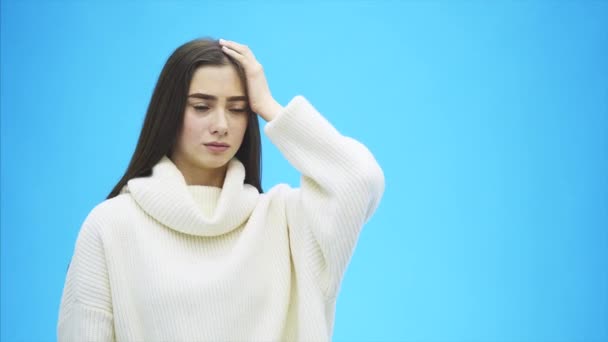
point(239, 57)
point(242, 54)
point(240, 48)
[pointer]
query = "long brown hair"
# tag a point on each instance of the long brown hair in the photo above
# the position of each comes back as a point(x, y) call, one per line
point(165, 115)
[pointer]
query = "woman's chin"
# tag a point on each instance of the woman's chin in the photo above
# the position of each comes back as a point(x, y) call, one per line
point(214, 162)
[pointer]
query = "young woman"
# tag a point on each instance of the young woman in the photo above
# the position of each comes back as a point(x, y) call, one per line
point(187, 247)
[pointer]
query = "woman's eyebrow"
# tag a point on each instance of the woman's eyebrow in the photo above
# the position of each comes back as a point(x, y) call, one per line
point(211, 97)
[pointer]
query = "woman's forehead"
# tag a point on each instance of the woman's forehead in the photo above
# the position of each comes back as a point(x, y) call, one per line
point(219, 81)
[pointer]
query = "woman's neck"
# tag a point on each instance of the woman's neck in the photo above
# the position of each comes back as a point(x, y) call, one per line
point(195, 175)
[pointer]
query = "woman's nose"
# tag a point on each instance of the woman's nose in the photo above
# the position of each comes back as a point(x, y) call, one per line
point(220, 125)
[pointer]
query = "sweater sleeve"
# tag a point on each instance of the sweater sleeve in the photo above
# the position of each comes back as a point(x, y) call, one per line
point(340, 188)
point(85, 313)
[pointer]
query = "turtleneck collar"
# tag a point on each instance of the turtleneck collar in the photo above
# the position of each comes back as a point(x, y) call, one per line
point(195, 209)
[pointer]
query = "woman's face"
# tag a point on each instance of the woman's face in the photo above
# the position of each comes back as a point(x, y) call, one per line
point(215, 120)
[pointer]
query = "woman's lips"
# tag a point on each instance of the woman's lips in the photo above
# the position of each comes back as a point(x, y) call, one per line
point(217, 147)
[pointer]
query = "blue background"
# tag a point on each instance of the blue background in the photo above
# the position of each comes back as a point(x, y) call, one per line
point(490, 120)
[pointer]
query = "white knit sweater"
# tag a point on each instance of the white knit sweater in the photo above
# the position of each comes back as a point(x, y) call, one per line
point(167, 261)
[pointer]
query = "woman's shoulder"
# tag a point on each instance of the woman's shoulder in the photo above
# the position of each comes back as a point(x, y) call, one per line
point(279, 194)
point(278, 191)
point(112, 212)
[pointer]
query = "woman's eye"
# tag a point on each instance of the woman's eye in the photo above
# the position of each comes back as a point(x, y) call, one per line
point(200, 108)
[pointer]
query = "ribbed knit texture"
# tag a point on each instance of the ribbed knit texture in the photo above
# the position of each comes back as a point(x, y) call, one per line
point(167, 261)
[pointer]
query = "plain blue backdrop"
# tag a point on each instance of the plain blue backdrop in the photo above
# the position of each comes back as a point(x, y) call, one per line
point(490, 120)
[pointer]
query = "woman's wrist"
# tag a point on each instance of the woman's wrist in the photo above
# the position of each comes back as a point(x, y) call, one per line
point(274, 109)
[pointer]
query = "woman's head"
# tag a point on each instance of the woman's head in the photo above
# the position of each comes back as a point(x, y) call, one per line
point(198, 100)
